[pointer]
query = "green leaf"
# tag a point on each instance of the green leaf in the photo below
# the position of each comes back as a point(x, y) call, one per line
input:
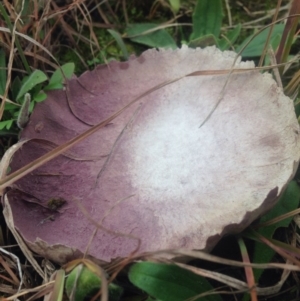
point(256, 46)
point(169, 282)
point(207, 18)
point(232, 35)
point(86, 284)
point(289, 201)
point(2, 71)
point(138, 33)
point(35, 78)
point(6, 124)
point(39, 97)
point(31, 106)
point(57, 78)
point(10, 107)
point(175, 4)
point(15, 87)
point(120, 42)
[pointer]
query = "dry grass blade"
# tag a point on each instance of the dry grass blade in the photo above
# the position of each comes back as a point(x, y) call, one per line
point(212, 258)
point(10, 101)
point(41, 59)
point(279, 250)
point(289, 31)
point(57, 292)
point(233, 282)
point(288, 248)
point(248, 270)
point(215, 292)
point(42, 288)
point(230, 281)
point(10, 224)
point(4, 164)
point(29, 39)
point(88, 19)
point(277, 219)
point(275, 70)
point(293, 86)
point(266, 46)
point(15, 280)
point(10, 61)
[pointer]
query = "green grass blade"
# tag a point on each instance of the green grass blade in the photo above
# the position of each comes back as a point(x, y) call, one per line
point(20, 50)
point(34, 79)
point(150, 35)
point(120, 42)
point(2, 71)
point(57, 79)
point(230, 39)
point(175, 5)
point(207, 18)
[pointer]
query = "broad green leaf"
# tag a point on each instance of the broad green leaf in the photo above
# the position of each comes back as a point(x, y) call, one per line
point(39, 97)
point(207, 18)
point(288, 201)
point(256, 46)
point(6, 124)
point(15, 87)
point(169, 282)
point(231, 37)
point(2, 71)
point(57, 79)
point(175, 4)
point(120, 42)
point(86, 284)
point(35, 78)
point(139, 33)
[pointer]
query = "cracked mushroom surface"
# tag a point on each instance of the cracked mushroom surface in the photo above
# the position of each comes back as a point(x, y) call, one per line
point(153, 173)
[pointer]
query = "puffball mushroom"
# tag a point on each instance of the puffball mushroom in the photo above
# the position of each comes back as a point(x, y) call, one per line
point(153, 173)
